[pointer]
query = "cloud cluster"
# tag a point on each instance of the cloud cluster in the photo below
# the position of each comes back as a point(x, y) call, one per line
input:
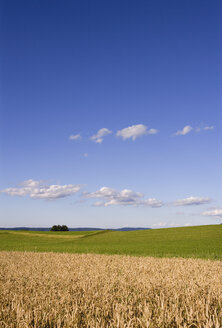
point(192, 201)
point(98, 137)
point(105, 196)
point(37, 190)
point(111, 196)
point(135, 131)
point(217, 213)
point(187, 129)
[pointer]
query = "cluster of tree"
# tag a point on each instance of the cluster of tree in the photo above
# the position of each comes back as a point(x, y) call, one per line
point(59, 228)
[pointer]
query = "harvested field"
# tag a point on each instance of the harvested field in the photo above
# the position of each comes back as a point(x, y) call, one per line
point(70, 290)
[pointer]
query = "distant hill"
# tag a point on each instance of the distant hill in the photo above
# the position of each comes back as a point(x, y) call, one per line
point(27, 228)
point(76, 229)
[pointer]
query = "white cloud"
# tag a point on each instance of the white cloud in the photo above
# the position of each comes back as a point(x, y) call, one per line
point(189, 128)
point(98, 137)
point(37, 190)
point(30, 183)
point(75, 137)
point(111, 196)
point(54, 191)
point(152, 131)
point(25, 188)
point(135, 131)
point(184, 131)
point(152, 202)
point(205, 128)
point(191, 201)
point(217, 213)
point(85, 155)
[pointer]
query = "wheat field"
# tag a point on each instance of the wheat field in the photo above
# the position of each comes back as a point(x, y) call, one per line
point(46, 290)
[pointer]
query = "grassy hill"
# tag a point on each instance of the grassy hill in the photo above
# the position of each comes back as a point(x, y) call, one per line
point(196, 242)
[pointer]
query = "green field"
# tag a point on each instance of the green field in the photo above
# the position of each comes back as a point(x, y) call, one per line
point(196, 242)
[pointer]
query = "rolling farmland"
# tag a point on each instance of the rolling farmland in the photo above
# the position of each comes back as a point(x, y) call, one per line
point(188, 242)
point(52, 280)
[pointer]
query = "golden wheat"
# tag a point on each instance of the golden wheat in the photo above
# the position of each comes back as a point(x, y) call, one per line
point(68, 290)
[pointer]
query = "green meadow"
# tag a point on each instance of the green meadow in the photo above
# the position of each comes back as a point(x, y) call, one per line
point(188, 242)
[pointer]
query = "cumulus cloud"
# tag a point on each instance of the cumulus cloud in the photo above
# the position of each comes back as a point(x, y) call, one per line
point(75, 137)
point(111, 196)
point(217, 213)
point(184, 131)
point(38, 190)
point(135, 131)
point(191, 201)
point(98, 137)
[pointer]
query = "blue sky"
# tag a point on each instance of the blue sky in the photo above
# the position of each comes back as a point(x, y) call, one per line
point(110, 113)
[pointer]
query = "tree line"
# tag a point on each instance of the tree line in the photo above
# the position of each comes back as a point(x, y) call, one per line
point(59, 228)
